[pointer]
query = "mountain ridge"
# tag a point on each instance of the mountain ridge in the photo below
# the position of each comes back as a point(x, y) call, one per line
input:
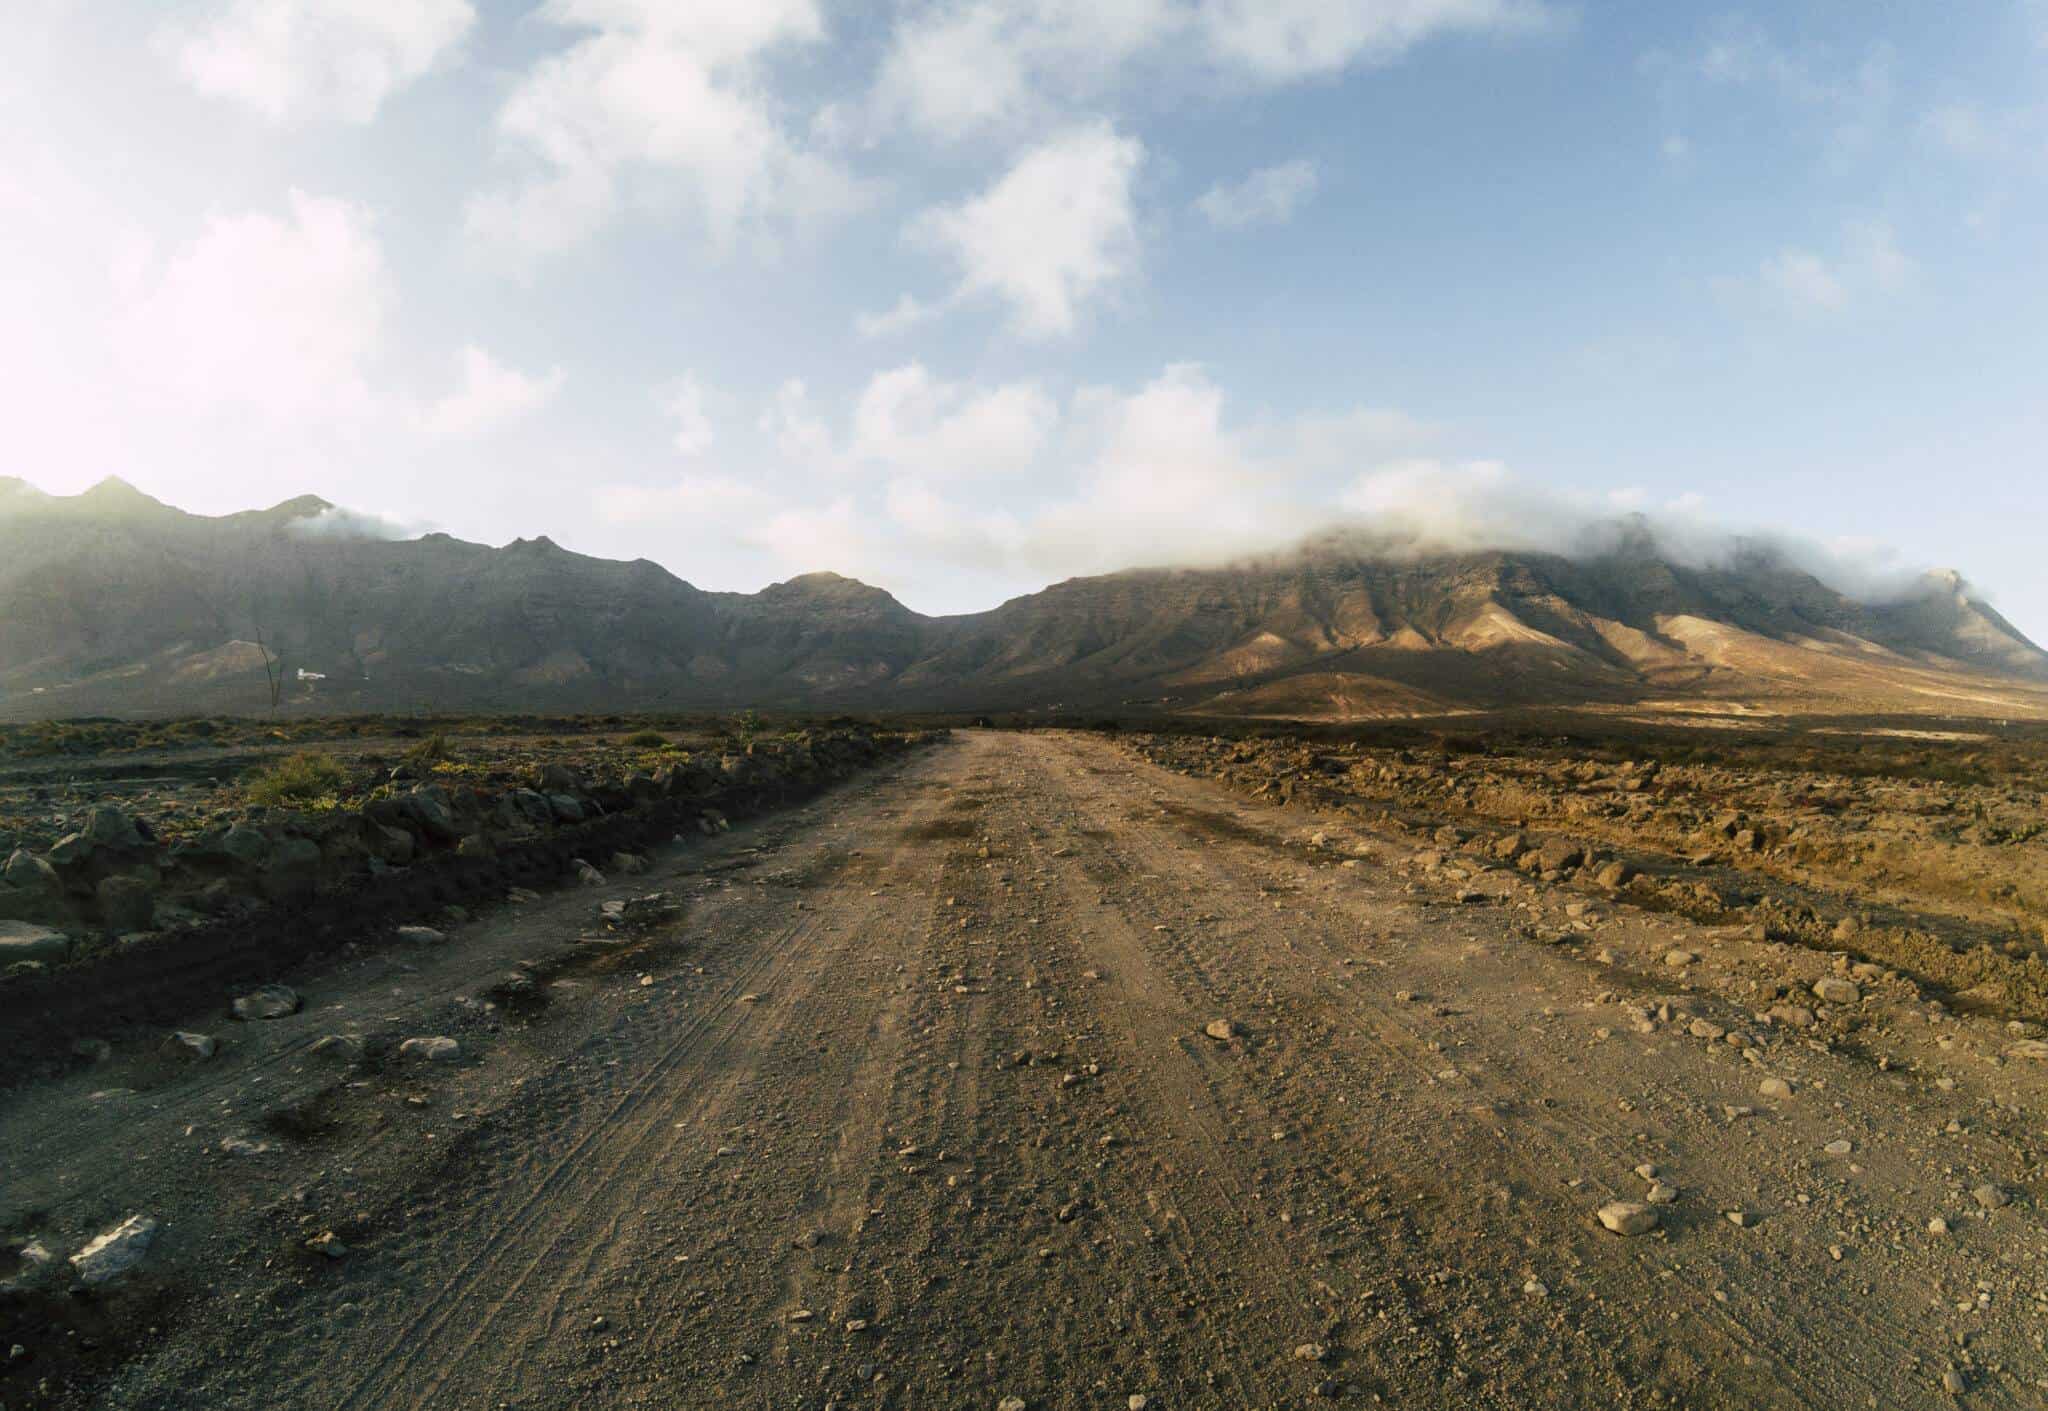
point(112, 601)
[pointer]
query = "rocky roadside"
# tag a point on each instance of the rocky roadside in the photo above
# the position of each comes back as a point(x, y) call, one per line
point(1636, 834)
point(113, 929)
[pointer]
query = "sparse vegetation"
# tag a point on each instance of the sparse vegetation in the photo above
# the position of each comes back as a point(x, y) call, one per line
point(746, 727)
point(307, 779)
point(646, 740)
point(429, 752)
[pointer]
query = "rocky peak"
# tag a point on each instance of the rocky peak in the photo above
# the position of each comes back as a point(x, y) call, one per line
point(300, 507)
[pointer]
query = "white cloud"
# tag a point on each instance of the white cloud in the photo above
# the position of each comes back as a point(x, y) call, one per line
point(1166, 474)
point(1675, 148)
point(491, 395)
point(798, 433)
point(692, 499)
point(1869, 263)
point(907, 314)
point(1961, 129)
point(294, 59)
point(1165, 480)
point(1116, 478)
point(336, 522)
point(829, 537)
point(1284, 40)
point(1462, 506)
point(912, 422)
point(1854, 101)
point(682, 401)
point(660, 102)
point(1053, 235)
point(961, 68)
point(1269, 196)
point(1425, 506)
point(1875, 256)
point(1805, 279)
point(277, 316)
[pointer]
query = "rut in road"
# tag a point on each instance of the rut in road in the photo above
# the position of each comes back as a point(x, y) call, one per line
point(938, 1123)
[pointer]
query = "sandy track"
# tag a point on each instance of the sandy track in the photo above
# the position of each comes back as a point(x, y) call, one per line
point(917, 1111)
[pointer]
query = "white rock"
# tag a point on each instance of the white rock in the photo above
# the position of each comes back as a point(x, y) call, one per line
point(19, 940)
point(1832, 989)
point(189, 1046)
point(1222, 1030)
point(115, 1252)
point(1628, 1217)
point(341, 1048)
point(267, 1002)
point(421, 936)
point(1774, 1088)
point(430, 1048)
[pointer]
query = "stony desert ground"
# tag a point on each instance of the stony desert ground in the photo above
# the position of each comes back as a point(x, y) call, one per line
point(1062, 1070)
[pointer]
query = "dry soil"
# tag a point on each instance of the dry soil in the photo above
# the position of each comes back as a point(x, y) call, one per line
point(912, 1105)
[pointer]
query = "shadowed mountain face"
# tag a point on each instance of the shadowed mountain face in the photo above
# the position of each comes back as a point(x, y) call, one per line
point(113, 602)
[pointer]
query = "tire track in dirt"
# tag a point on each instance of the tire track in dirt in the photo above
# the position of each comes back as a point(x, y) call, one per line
point(976, 1132)
point(649, 1129)
point(1547, 1136)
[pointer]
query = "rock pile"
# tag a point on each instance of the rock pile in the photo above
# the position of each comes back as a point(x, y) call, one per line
point(114, 877)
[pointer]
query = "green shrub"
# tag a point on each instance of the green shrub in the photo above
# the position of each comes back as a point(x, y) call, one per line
point(427, 753)
point(300, 779)
point(646, 740)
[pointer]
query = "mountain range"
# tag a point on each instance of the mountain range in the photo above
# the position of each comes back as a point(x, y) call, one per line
point(114, 603)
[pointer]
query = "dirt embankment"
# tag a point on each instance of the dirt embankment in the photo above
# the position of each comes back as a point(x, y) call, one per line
point(1938, 867)
point(114, 929)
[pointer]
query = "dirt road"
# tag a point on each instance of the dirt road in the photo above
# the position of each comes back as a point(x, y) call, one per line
point(913, 1107)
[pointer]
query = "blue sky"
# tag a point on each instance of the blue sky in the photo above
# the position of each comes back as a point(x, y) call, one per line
point(964, 297)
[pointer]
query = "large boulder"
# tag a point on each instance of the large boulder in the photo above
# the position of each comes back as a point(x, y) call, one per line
point(71, 850)
point(389, 845)
point(1556, 855)
point(30, 889)
point(245, 846)
point(26, 872)
point(293, 870)
point(113, 830)
point(117, 1251)
point(560, 779)
point(126, 903)
point(525, 808)
point(430, 810)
